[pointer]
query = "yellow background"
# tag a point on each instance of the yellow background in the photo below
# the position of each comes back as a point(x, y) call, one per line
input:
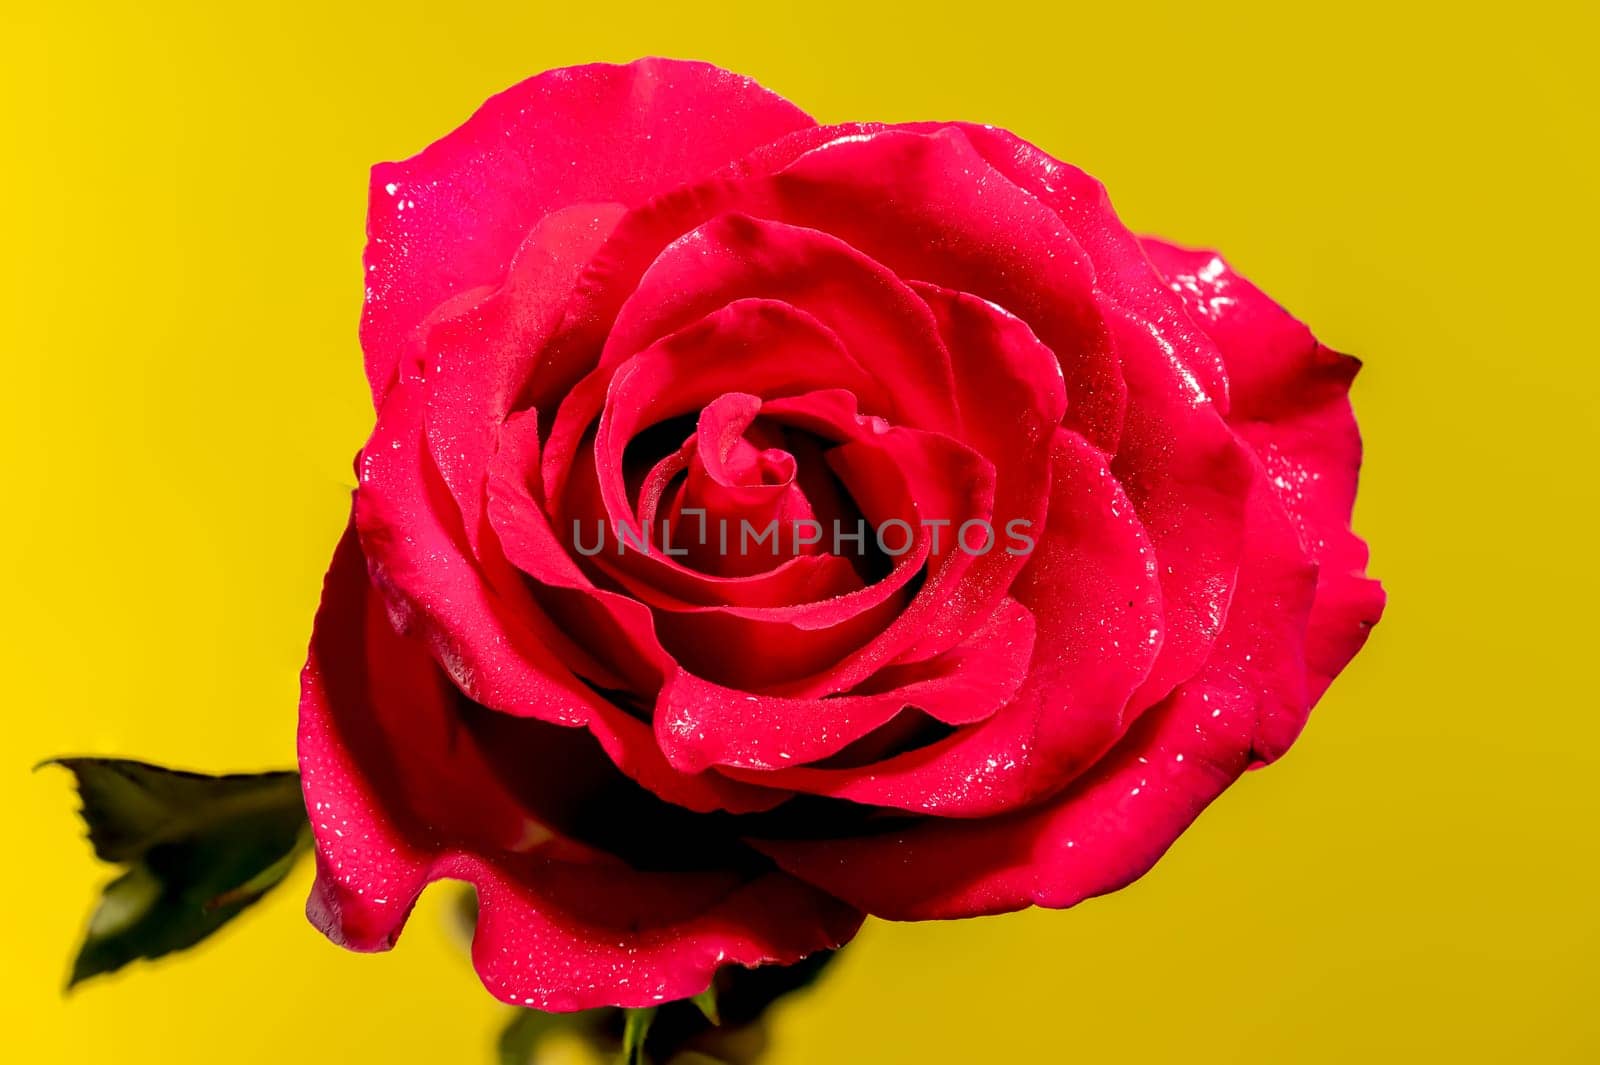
point(181, 210)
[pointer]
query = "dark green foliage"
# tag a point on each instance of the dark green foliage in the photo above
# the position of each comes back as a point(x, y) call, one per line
point(198, 850)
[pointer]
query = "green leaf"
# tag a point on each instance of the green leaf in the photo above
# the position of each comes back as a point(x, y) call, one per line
point(199, 850)
point(707, 1003)
point(635, 1028)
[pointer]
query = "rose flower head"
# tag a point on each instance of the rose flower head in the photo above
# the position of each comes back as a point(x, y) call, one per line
point(768, 524)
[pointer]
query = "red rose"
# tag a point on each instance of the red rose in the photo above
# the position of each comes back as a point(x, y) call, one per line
point(1053, 537)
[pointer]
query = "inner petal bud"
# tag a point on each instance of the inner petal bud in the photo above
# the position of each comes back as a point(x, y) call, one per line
point(739, 509)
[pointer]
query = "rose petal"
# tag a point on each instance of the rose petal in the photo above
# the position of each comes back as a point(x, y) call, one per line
point(830, 645)
point(1111, 826)
point(1012, 399)
point(450, 218)
point(485, 628)
point(608, 620)
point(1188, 477)
point(692, 365)
point(760, 347)
point(700, 724)
point(1122, 272)
point(732, 257)
point(811, 648)
point(1091, 585)
point(1291, 404)
point(895, 193)
point(400, 795)
point(928, 206)
point(477, 359)
point(491, 638)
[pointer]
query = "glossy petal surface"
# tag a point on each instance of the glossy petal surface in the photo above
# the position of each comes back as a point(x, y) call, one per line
point(767, 524)
point(450, 218)
point(404, 788)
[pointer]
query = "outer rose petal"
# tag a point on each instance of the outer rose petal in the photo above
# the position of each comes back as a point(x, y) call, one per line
point(1122, 272)
point(1291, 404)
point(924, 205)
point(1110, 826)
point(1188, 477)
point(1186, 474)
point(929, 207)
point(478, 359)
point(400, 793)
point(489, 635)
point(451, 217)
